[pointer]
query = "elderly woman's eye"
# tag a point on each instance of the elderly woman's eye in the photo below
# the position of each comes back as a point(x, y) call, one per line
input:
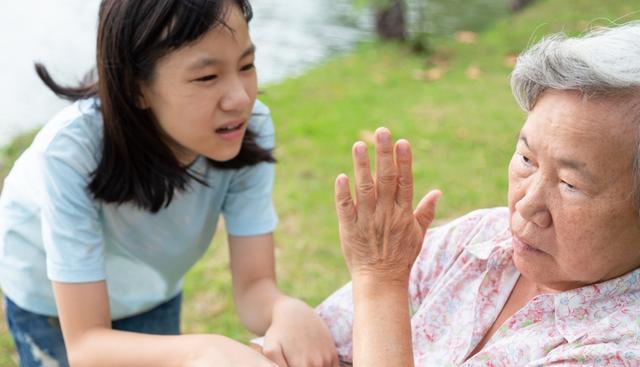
point(525, 159)
point(568, 186)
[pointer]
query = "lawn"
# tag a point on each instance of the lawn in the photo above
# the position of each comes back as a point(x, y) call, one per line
point(454, 106)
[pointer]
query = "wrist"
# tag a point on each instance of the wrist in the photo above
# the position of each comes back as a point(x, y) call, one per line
point(379, 282)
point(284, 305)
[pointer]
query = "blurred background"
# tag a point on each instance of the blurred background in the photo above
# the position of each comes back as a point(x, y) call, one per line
point(434, 71)
point(291, 37)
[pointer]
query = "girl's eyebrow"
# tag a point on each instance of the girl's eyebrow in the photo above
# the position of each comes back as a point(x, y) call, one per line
point(208, 61)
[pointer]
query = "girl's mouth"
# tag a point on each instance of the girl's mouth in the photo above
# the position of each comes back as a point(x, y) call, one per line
point(230, 128)
point(232, 131)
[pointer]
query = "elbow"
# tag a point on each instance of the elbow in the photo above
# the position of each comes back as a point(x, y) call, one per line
point(77, 357)
point(80, 352)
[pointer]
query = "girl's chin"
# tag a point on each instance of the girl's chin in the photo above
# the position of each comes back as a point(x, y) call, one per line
point(223, 156)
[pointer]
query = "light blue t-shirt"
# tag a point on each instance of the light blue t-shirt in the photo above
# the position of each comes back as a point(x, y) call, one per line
point(51, 228)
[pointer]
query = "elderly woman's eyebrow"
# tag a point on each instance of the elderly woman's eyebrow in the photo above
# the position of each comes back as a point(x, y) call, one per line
point(523, 138)
point(577, 166)
point(573, 164)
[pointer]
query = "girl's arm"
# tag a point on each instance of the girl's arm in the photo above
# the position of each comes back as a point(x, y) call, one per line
point(254, 280)
point(90, 341)
point(294, 334)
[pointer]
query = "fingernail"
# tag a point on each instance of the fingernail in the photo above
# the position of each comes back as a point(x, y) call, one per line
point(403, 147)
point(361, 149)
point(383, 136)
point(342, 180)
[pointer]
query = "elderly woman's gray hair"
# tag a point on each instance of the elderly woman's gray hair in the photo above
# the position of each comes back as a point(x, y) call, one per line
point(604, 62)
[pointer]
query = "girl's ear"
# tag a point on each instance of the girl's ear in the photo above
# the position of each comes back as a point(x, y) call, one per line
point(141, 101)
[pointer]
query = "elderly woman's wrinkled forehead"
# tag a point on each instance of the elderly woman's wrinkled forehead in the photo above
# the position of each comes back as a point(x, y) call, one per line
point(622, 106)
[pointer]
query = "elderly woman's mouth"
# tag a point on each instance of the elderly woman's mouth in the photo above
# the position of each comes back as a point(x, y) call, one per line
point(520, 245)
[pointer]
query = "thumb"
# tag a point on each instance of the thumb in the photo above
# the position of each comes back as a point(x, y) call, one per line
point(426, 210)
point(275, 354)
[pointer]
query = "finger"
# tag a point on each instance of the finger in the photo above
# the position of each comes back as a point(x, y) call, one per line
point(365, 189)
point(426, 210)
point(256, 347)
point(344, 203)
point(404, 196)
point(275, 354)
point(385, 167)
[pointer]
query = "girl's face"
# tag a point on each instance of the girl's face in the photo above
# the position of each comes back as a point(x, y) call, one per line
point(202, 95)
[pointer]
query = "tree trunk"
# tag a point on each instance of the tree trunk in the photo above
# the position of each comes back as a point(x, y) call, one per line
point(516, 5)
point(390, 21)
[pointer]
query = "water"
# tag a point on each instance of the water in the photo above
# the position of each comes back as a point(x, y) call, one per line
point(291, 36)
point(444, 17)
point(61, 34)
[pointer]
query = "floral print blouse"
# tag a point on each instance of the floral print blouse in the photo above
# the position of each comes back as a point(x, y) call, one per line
point(458, 286)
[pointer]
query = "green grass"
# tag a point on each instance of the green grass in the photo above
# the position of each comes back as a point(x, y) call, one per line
point(462, 131)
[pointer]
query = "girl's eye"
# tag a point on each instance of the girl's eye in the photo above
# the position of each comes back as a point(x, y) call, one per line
point(248, 67)
point(207, 78)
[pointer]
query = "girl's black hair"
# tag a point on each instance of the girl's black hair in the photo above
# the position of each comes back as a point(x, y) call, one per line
point(137, 166)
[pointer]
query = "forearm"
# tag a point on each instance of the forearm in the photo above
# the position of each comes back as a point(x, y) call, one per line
point(256, 302)
point(382, 326)
point(106, 347)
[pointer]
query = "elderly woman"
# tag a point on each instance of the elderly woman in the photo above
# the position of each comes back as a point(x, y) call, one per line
point(553, 279)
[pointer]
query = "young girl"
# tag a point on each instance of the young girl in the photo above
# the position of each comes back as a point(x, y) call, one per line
point(119, 195)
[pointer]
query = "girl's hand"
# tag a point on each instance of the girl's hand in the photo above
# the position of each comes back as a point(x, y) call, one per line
point(297, 337)
point(220, 351)
point(380, 234)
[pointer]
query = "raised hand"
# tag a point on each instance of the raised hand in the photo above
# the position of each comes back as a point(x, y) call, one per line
point(380, 233)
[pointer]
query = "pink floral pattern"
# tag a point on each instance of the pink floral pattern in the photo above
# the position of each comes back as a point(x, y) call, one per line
point(459, 284)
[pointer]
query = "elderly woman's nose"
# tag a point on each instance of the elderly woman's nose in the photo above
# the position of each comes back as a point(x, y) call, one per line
point(532, 206)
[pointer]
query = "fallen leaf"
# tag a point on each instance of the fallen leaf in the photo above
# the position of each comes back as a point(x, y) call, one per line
point(434, 74)
point(473, 72)
point(466, 37)
point(418, 74)
point(441, 58)
point(510, 60)
point(379, 79)
point(431, 75)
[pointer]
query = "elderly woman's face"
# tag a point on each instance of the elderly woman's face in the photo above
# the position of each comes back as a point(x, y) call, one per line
point(570, 192)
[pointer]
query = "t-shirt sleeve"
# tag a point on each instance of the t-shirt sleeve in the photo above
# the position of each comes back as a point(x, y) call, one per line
point(248, 206)
point(71, 230)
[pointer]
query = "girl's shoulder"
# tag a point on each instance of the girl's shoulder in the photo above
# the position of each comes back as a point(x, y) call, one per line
point(74, 135)
point(261, 124)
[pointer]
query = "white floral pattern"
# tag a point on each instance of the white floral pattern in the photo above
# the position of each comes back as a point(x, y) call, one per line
point(459, 284)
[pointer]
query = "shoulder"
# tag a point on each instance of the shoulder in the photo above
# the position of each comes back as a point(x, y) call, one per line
point(477, 226)
point(73, 136)
point(261, 124)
